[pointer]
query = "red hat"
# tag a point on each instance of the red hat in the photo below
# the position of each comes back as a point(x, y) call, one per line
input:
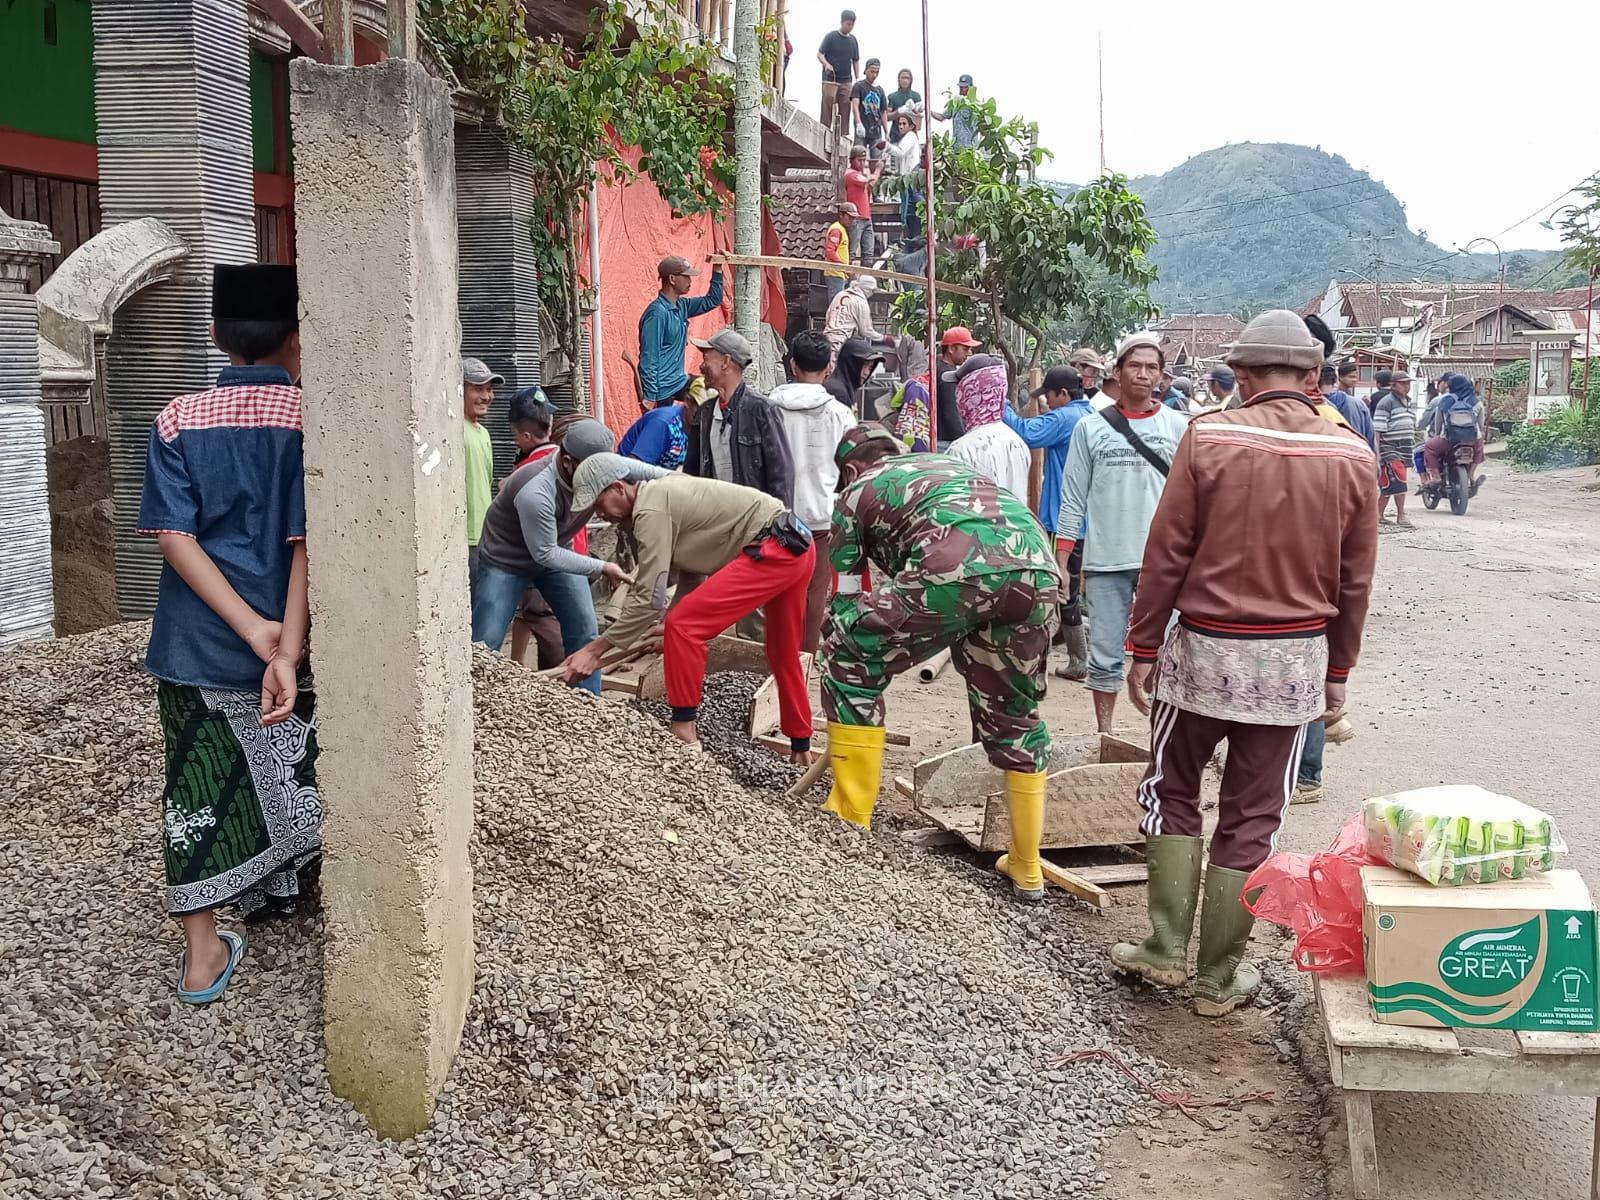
point(960, 335)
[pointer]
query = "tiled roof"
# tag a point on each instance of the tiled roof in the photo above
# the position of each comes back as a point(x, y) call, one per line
point(801, 213)
point(1362, 299)
point(1200, 335)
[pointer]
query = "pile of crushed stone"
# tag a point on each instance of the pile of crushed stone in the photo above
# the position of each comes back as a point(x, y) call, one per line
point(683, 988)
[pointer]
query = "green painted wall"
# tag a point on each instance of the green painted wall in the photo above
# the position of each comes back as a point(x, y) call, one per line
point(47, 88)
point(261, 112)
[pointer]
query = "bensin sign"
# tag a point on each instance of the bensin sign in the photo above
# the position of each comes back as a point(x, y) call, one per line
point(1520, 954)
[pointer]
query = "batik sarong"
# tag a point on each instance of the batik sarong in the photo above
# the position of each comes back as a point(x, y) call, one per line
point(241, 816)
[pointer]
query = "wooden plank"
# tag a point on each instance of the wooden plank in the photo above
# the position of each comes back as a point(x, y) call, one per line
point(764, 708)
point(905, 787)
point(1092, 805)
point(1114, 873)
point(1363, 1144)
point(1473, 1070)
point(1557, 1041)
point(817, 264)
point(338, 31)
point(1069, 881)
point(302, 31)
point(962, 777)
point(730, 653)
point(1114, 749)
point(1347, 1017)
point(402, 28)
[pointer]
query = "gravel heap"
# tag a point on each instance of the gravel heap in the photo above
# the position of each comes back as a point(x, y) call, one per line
point(723, 725)
point(683, 989)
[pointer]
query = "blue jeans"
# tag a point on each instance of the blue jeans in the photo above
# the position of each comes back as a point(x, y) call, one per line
point(910, 218)
point(1311, 757)
point(499, 596)
point(1110, 597)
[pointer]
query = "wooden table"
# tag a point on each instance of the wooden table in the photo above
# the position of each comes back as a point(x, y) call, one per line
point(1366, 1057)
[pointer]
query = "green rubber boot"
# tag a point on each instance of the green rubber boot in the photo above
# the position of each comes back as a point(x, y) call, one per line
point(1163, 957)
point(1222, 980)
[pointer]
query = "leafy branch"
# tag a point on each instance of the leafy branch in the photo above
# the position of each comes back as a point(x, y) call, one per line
point(1040, 255)
point(576, 108)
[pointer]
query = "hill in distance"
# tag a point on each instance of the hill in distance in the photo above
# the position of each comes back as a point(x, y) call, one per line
point(1268, 225)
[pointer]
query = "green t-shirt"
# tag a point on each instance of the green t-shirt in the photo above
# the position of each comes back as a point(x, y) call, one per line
point(480, 479)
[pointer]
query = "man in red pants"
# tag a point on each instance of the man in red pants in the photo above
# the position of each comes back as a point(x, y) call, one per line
point(755, 553)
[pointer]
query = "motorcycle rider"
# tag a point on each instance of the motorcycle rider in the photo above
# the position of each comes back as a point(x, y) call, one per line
point(1456, 418)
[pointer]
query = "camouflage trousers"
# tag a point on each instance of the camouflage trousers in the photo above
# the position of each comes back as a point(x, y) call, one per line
point(998, 630)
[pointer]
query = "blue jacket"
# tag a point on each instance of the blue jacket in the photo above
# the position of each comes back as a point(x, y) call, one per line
point(1051, 432)
point(664, 339)
point(1357, 414)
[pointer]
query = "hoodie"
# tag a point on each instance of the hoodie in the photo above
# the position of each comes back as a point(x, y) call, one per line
point(844, 385)
point(815, 423)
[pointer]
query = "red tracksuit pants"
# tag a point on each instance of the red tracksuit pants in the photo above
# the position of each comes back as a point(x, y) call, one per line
point(1257, 782)
point(777, 580)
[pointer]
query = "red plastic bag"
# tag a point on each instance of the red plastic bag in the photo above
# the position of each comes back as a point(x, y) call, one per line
point(1318, 896)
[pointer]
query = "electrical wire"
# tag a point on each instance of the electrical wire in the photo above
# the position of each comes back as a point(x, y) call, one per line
point(1173, 237)
point(1256, 200)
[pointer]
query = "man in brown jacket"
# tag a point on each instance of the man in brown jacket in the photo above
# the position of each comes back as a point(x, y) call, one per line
point(1264, 544)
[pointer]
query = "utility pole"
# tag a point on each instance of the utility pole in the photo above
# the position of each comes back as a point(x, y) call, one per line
point(747, 90)
point(1100, 59)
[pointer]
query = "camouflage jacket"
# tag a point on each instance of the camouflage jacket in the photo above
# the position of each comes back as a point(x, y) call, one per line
point(935, 518)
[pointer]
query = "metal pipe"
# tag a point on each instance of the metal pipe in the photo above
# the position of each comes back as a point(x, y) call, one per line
point(927, 187)
point(597, 369)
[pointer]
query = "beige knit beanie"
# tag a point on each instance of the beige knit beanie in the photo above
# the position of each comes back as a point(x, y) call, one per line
point(1277, 338)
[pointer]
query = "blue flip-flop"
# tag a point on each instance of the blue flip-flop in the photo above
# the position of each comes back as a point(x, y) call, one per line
point(236, 944)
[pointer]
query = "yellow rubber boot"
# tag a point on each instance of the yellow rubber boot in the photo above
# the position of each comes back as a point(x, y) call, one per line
point(855, 752)
point(1025, 803)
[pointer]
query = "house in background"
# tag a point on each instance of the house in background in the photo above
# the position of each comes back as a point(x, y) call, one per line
point(1195, 342)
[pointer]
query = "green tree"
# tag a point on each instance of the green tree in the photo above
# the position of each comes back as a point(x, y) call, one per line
point(1040, 257)
point(576, 107)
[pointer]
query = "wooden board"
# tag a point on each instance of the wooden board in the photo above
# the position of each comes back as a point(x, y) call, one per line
point(1093, 805)
point(1541, 1041)
point(1114, 873)
point(963, 792)
point(1069, 881)
point(645, 678)
point(764, 709)
point(730, 653)
point(816, 264)
point(1348, 1018)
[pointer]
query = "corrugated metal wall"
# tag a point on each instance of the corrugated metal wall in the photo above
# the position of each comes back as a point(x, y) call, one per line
point(499, 283)
point(172, 104)
point(26, 600)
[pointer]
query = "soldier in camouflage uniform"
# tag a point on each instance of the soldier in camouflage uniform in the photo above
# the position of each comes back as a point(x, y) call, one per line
point(961, 564)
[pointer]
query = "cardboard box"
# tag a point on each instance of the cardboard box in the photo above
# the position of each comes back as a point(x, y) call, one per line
point(1520, 954)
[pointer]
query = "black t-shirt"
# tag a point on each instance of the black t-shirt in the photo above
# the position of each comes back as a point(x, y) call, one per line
point(873, 104)
point(842, 52)
point(950, 426)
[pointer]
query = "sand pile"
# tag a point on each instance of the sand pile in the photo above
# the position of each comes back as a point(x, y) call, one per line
point(684, 988)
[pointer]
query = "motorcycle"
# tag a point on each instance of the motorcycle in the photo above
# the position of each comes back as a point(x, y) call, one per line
point(1455, 483)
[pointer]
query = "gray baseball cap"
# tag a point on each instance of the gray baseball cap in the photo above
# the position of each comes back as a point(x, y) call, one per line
point(595, 474)
point(587, 438)
point(730, 342)
point(475, 370)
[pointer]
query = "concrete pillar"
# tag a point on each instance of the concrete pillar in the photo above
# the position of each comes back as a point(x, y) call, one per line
point(385, 485)
point(499, 278)
point(27, 606)
point(172, 107)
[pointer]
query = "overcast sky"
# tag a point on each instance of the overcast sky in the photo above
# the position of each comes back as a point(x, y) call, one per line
point(1459, 143)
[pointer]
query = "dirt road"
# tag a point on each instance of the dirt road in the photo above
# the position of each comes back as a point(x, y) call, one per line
point(1481, 665)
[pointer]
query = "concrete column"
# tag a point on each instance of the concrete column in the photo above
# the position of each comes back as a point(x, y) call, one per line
point(385, 498)
point(172, 106)
point(27, 606)
point(499, 279)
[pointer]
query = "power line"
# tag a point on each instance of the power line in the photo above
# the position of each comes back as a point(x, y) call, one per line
point(1257, 200)
point(1541, 208)
point(1270, 220)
